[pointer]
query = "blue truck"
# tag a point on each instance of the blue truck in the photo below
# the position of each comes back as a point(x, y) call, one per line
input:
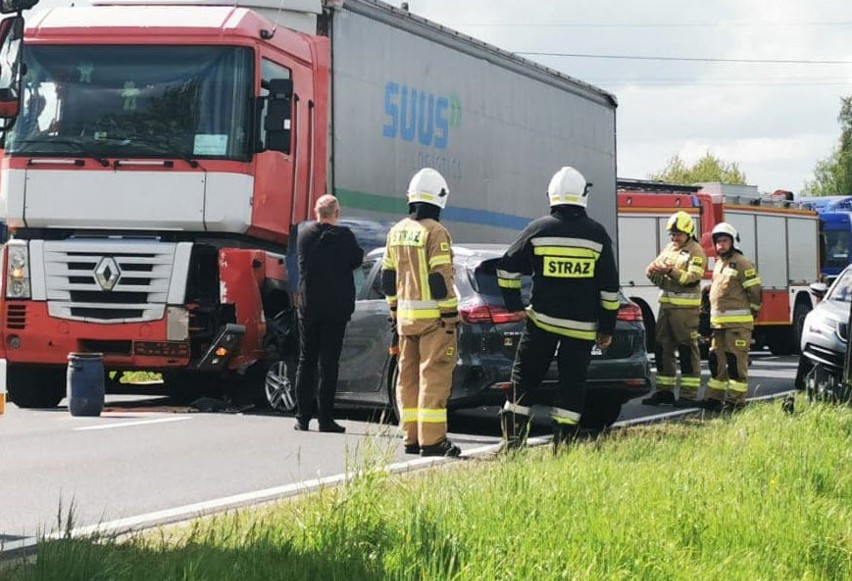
point(835, 215)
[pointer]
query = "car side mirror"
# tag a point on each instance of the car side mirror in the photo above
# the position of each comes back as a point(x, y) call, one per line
point(11, 41)
point(818, 289)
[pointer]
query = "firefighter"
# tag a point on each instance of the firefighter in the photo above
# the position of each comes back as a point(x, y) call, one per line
point(417, 279)
point(574, 303)
point(678, 271)
point(734, 303)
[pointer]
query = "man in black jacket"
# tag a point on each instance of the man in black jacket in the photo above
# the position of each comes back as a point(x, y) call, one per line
point(328, 254)
point(574, 304)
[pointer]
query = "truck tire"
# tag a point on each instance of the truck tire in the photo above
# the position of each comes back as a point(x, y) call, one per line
point(35, 387)
point(601, 411)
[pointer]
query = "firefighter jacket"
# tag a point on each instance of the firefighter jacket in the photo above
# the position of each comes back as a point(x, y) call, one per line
point(419, 263)
point(680, 288)
point(734, 292)
point(575, 280)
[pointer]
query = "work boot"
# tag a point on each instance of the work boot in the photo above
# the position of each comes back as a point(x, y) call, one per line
point(733, 406)
point(660, 397)
point(684, 403)
point(412, 448)
point(442, 448)
point(332, 427)
point(712, 405)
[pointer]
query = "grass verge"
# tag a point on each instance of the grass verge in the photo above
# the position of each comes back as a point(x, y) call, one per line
point(761, 495)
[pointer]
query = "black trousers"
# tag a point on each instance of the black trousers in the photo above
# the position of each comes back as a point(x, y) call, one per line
point(320, 343)
point(532, 360)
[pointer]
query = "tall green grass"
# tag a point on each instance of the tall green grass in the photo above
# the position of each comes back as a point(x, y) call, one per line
point(761, 495)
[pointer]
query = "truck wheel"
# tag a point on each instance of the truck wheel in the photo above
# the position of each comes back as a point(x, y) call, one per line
point(601, 411)
point(33, 387)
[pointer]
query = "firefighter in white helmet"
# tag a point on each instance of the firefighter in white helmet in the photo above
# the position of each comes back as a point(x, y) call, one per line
point(417, 279)
point(574, 303)
point(734, 303)
point(678, 271)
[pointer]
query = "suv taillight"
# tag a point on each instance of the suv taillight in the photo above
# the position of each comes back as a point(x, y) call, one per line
point(488, 314)
point(629, 312)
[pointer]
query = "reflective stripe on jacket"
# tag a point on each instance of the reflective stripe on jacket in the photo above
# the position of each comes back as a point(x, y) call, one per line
point(680, 287)
point(734, 293)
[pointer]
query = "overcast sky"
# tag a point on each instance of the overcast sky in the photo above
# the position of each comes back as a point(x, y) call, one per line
point(775, 119)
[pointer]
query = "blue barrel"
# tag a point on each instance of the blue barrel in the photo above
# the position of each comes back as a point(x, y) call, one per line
point(85, 385)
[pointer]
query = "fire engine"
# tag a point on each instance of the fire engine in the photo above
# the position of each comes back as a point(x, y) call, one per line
point(783, 241)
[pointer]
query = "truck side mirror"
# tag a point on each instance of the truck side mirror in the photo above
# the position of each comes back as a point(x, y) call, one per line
point(11, 41)
point(279, 114)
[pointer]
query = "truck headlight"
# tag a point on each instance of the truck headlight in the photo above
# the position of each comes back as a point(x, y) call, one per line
point(18, 271)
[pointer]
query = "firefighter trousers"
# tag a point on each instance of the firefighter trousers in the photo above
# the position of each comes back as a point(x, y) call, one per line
point(532, 361)
point(729, 364)
point(677, 333)
point(426, 364)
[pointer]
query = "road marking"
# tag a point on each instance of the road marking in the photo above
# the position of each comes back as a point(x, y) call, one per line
point(130, 424)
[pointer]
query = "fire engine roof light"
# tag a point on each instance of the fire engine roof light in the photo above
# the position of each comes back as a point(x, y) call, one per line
point(11, 6)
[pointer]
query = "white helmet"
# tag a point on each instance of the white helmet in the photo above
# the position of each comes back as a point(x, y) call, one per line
point(568, 186)
point(430, 187)
point(725, 229)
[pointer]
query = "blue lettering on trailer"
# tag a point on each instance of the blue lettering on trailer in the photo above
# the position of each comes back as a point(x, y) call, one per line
point(418, 115)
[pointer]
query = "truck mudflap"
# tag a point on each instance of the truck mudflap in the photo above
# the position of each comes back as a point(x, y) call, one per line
point(223, 348)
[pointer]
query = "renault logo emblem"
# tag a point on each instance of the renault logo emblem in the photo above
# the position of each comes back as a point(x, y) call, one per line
point(107, 273)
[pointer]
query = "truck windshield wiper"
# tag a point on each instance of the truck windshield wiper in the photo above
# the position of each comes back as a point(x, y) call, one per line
point(80, 147)
point(169, 149)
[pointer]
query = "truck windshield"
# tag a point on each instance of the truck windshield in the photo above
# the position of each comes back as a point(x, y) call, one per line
point(135, 101)
point(836, 248)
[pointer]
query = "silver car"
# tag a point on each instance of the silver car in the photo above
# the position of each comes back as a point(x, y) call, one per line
point(825, 335)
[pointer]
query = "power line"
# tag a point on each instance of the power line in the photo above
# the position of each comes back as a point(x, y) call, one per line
point(687, 59)
point(720, 24)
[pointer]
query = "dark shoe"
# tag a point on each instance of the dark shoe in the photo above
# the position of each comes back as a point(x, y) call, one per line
point(662, 397)
point(442, 448)
point(332, 427)
point(412, 448)
point(712, 405)
point(301, 425)
point(684, 403)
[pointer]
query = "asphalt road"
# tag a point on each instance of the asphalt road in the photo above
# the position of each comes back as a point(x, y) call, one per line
point(142, 457)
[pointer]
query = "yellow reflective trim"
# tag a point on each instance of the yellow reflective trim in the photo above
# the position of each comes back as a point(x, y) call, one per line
point(432, 416)
point(738, 386)
point(716, 384)
point(750, 283)
point(439, 260)
point(714, 319)
point(665, 380)
point(423, 268)
point(564, 421)
point(696, 269)
point(387, 262)
point(572, 251)
point(740, 343)
point(587, 335)
point(449, 303)
point(507, 283)
point(409, 415)
point(681, 302)
point(684, 278)
point(690, 381)
point(697, 260)
point(611, 305)
point(445, 246)
point(418, 314)
point(750, 272)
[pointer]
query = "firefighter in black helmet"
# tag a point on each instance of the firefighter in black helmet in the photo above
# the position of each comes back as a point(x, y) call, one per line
point(573, 305)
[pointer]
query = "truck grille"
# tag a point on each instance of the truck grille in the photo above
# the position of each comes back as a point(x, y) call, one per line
point(108, 280)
